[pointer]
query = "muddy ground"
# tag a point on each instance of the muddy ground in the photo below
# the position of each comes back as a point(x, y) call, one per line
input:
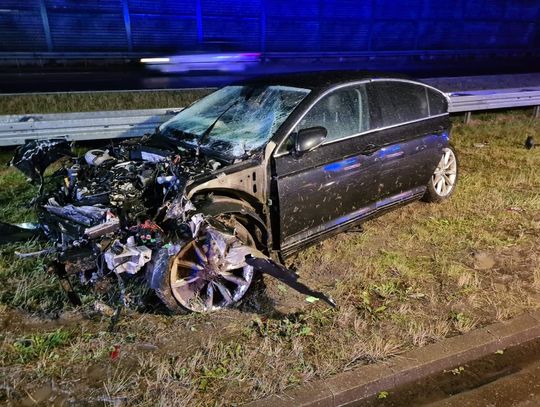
point(416, 275)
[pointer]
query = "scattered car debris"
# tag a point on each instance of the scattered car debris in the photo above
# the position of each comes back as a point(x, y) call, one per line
point(103, 308)
point(115, 352)
point(35, 156)
point(529, 143)
point(286, 276)
point(17, 233)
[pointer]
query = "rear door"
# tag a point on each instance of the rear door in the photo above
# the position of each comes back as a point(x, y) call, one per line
point(329, 186)
point(410, 136)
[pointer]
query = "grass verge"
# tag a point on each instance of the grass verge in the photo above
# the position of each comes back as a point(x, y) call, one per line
point(83, 102)
point(416, 275)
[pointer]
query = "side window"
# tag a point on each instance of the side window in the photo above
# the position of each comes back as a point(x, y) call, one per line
point(343, 113)
point(399, 102)
point(437, 103)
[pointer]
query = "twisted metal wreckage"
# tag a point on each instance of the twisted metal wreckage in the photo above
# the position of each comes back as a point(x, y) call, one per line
point(124, 211)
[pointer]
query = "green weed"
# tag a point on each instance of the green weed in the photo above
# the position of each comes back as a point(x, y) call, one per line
point(40, 345)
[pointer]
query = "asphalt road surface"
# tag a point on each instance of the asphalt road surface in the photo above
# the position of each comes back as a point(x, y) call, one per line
point(509, 377)
point(519, 389)
point(131, 77)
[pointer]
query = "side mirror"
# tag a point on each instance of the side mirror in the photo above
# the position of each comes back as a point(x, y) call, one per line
point(309, 139)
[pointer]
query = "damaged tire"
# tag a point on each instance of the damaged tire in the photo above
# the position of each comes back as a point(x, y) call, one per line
point(198, 279)
point(157, 272)
point(443, 182)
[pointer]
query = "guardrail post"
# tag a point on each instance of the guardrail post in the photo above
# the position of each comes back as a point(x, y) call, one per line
point(536, 112)
point(467, 117)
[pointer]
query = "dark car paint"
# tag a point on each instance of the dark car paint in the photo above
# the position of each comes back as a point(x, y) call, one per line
point(329, 188)
point(323, 185)
point(307, 198)
point(410, 155)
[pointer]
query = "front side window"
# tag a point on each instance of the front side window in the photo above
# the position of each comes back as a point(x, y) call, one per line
point(343, 113)
point(235, 120)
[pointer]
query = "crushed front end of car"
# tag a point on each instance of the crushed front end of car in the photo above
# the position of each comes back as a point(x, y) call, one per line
point(123, 211)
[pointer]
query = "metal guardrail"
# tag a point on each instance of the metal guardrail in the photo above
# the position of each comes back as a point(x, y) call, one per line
point(469, 101)
point(16, 129)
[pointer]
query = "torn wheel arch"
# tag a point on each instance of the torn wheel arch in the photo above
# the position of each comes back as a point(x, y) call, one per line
point(215, 204)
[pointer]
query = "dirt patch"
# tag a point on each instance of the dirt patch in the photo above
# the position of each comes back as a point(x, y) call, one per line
point(483, 261)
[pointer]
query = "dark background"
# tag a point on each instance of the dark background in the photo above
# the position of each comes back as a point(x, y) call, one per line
point(315, 26)
point(62, 39)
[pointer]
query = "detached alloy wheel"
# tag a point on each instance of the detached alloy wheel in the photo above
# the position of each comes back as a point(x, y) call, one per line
point(443, 181)
point(198, 278)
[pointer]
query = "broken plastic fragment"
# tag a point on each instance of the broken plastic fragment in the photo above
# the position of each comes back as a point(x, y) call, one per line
point(17, 233)
point(84, 215)
point(97, 157)
point(102, 229)
point(178, 208)
point(103, 308)
point(195, 223)
point(115, 353)
point(43, 252)
point(127, 258)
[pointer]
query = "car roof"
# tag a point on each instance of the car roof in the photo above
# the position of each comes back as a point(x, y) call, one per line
point(320, 79)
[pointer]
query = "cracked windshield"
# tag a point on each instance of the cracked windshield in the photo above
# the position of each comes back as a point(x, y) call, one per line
point(235, 120)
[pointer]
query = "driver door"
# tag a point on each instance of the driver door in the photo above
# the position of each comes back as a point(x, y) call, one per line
point(332, 185)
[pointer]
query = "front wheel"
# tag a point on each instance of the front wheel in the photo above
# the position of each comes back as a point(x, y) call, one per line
point(444, 180)
point(199, 278)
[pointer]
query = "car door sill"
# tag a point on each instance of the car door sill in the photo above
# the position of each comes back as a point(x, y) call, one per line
point(311, 236)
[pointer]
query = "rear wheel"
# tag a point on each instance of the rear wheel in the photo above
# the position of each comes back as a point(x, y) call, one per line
point(443, 181)
point(197, 278)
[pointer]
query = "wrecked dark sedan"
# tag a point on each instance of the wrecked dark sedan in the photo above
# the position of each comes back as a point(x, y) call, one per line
point(240, 180)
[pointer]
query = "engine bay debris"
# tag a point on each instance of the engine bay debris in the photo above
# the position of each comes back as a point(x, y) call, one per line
point(123, 211)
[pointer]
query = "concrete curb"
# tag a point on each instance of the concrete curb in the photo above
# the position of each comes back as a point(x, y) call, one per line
point(350, 387)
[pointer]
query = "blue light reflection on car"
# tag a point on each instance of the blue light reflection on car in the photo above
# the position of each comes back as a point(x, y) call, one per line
point(391, 151)
point(344, 165)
